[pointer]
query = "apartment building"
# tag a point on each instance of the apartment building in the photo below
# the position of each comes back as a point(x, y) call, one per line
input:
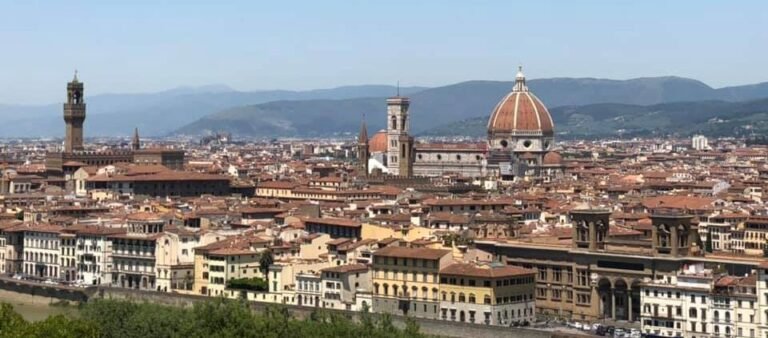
point(487, 294)
point(340, 285)
point(405, 280)
point(697, 303)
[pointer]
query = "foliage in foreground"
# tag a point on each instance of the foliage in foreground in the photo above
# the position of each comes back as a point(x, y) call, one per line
point(215, 318)
point(252, 284)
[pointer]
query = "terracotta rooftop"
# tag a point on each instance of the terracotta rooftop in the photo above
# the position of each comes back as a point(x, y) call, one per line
point(405, 252)
point(472, 270)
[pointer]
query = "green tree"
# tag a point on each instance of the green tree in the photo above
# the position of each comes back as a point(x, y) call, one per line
point(265, 261)
point(10, 321)
point(62, 326)
point(708, 244)
point(411, 327)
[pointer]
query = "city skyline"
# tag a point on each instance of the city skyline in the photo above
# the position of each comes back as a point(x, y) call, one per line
point(302, 45)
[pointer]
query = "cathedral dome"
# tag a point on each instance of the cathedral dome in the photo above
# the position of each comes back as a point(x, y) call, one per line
point(552, 158)
point(378, 143)
point(520, 113)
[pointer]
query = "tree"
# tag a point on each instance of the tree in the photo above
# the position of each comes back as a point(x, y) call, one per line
point(10, 321)
point(265, 261)
point(411, 327)
point(708, 245)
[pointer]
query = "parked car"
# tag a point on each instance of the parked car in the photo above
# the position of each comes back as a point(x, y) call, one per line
point(619, 333)
point(578, 325)
point(601, 330)
point(17, 276)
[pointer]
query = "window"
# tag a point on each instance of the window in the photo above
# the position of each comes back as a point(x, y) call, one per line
point(542, 273)
point(582, 278)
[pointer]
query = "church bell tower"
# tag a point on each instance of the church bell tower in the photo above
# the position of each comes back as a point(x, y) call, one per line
point(362, 149)
point(400, 143)
point(74, 116)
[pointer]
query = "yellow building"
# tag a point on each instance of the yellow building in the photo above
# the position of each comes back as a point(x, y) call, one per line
point(405, 280)
point(487, 294)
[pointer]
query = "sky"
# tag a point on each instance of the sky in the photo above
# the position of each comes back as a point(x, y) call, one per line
point(152, 45)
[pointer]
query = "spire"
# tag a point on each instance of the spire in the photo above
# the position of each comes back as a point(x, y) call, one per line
point(520, 81)
point(363, 136)
point(75, 78)
point(135, 143)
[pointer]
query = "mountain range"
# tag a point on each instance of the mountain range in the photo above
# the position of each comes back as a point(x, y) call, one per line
point(450, 110)
point(714, 118)
point(158, 114)
point(337, 111)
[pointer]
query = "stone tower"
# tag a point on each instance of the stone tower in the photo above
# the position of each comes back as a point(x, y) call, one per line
point(672, 233)
point(399, 142)
point(135, 142)
point(362, 149)
point(74, 116)
point(590, 228)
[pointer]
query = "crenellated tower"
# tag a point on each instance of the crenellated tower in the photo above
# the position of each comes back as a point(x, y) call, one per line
point(74, 116)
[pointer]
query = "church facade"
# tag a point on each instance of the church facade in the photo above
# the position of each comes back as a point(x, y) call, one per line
point(520, 143)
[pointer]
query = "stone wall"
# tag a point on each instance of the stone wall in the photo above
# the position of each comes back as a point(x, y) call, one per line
point(17, 291)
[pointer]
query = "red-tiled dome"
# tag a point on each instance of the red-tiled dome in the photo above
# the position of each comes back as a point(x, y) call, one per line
point(552, 158)
point(521, 112)
point(378, 143)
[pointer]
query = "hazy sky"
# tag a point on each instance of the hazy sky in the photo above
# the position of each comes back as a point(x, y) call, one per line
point(144, 46)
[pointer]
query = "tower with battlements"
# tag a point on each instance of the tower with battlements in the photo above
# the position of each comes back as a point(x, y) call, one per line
point(74, 116)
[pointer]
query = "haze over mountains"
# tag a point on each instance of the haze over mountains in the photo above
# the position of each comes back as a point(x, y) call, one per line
point(326, 112)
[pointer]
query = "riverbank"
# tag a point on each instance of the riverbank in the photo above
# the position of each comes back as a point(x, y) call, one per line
point(37, 312)
point(35, 308)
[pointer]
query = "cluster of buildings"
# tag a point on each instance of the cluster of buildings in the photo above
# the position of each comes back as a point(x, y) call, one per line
point(668, 235)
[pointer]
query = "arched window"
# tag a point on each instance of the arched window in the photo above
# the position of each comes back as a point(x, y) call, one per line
point(472, 298)
point(487, 299)
point(462, 298)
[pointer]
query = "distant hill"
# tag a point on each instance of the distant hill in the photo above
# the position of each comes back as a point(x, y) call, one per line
point(435, 107)
point(268, 113)
point(714, 118)
point(157, 114)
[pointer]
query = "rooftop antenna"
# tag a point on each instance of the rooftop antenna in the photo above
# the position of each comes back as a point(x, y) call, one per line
point(398, 88)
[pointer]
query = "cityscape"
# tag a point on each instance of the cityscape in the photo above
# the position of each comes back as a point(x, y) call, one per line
point(527, 205)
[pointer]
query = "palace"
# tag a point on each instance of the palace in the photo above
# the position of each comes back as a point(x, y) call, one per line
point(520, 143)
point(75, 156)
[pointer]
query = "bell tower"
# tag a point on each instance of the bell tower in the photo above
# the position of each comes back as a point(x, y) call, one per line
point(362, 149)
point(74, 116)
point(400, 143)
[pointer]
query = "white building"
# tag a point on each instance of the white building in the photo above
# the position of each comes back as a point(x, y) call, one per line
point(93, 253)
point(695, 303)
point(40, 250)
point(700, 142)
